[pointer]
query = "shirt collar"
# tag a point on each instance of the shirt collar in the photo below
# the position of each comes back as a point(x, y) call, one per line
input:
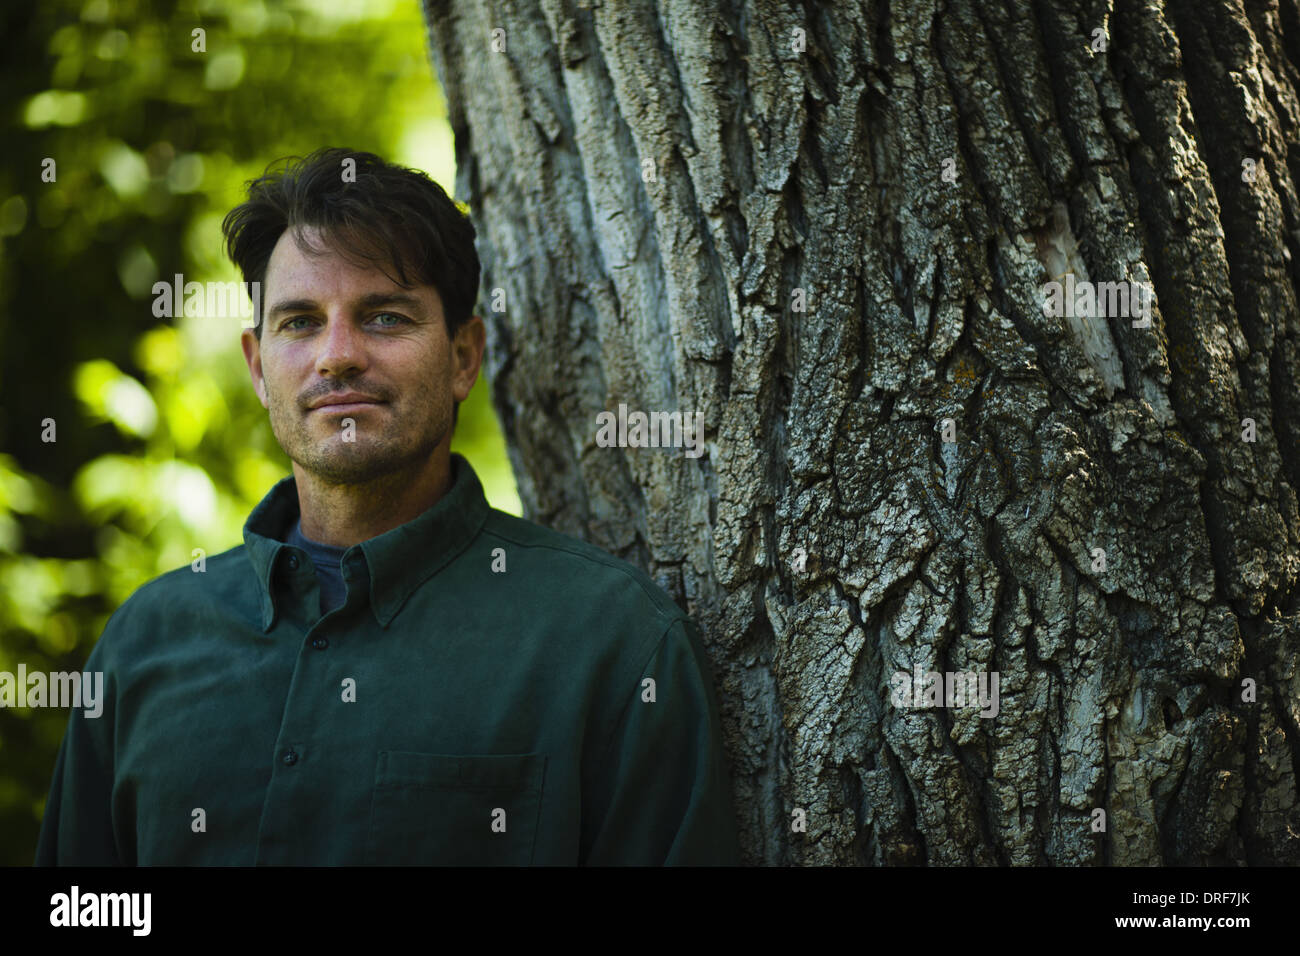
point(399, 560)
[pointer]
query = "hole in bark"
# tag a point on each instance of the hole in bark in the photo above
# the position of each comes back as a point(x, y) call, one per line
point(1172, 714)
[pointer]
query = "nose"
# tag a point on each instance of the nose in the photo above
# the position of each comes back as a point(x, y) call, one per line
point(342, 348)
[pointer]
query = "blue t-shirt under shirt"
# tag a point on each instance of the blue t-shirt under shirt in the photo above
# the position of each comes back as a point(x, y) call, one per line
point(329, 567)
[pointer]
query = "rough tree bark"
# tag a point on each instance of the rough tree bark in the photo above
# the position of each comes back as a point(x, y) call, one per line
point(778, 173)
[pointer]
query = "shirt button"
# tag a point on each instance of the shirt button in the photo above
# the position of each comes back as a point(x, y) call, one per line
point(290, 758)
point(320, 643)
point(293, 562)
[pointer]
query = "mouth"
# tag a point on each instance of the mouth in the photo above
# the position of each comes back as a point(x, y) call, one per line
point(346, 406)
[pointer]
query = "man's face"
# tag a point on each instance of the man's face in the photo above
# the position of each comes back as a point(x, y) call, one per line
point(332, 327)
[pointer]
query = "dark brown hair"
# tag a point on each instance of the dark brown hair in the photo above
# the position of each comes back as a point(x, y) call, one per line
point(390, 217)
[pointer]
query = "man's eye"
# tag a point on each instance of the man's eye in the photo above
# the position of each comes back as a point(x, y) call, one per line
point(289, 323)
point(391, 315)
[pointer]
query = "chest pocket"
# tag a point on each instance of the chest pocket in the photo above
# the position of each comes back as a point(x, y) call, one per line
point(454, 809)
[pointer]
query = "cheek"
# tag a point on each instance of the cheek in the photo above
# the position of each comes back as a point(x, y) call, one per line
point(433, 377)
point(277, 381)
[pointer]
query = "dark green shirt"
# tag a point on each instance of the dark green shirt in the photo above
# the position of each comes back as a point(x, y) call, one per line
point(483, 696)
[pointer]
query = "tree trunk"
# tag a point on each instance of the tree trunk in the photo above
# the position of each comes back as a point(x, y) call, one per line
point(830, 231)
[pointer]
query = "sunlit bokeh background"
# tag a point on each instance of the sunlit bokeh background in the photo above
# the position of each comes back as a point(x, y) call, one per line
point(160, 445)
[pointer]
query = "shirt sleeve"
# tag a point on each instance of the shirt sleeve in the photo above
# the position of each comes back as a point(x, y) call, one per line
point(77, 829)
point(662, 796)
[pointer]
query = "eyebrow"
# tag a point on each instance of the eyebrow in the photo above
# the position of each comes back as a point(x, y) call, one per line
point(368, 301)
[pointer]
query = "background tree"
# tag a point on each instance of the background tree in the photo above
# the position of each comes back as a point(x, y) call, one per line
point(828, 227)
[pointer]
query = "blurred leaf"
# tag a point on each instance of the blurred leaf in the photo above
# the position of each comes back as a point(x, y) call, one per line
point(111, 396)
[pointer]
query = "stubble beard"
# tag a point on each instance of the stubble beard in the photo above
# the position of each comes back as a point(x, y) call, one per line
point(386, 443)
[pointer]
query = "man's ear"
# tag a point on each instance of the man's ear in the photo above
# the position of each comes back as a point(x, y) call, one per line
point(253, 357)
point(467, 356)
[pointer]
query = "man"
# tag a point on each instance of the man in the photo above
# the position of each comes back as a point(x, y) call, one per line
point(388, 671)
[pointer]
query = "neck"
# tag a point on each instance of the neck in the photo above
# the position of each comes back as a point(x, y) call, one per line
point(342, 515)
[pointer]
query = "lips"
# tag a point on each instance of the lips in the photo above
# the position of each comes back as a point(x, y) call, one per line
point(346, 406)
point(344, 400)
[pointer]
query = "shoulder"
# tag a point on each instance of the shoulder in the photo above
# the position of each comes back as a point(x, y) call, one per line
point(578, 566)
point(225, 581)
point(207, 576)
point(615, 618)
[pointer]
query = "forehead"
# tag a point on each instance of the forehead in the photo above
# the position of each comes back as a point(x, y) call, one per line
point(320, 271)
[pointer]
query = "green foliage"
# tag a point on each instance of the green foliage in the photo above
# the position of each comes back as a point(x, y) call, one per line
point(161, 445)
